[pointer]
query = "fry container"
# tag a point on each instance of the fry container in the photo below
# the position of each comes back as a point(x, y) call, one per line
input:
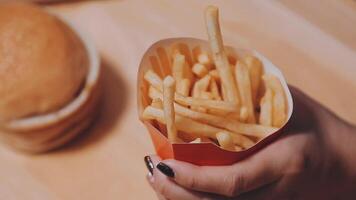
point(200, 153)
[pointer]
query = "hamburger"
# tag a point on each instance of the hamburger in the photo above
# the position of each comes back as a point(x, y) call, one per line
point(48, 79)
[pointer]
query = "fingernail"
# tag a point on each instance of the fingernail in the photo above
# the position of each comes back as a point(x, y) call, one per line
point(149, 164)
point(165, 169)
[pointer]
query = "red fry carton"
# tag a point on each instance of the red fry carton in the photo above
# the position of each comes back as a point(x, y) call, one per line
point(157, 58)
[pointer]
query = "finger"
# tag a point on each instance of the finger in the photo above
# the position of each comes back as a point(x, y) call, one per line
point(149, 178)
point(254, 172)
point(168, 189)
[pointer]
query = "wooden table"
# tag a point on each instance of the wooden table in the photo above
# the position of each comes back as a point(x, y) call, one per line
point(313, 42)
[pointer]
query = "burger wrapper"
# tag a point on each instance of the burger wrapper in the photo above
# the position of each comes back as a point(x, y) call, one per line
point(201, 153)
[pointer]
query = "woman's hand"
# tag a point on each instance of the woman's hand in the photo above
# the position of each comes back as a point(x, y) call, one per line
point(314, 160)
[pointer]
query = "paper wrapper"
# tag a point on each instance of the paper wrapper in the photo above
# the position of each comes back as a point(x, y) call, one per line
point(202, 153)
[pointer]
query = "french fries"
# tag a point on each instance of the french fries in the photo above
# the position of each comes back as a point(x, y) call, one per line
point(214, 89)
point(188, 125)
point(210, 96)
point(244, 85)
point(266, 108)
point(225, 140)
point(220, 59)
point(279, 110)
point(204, 58)
point(181, 73)
point(255, 70)
point(253, 130)
point(221, 106)
point(199, 70)
point(168, 107)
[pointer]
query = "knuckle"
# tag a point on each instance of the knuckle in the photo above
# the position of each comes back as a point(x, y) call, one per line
point(192, 182)
point(162, 189)
point(235, 184)
point(299, 163)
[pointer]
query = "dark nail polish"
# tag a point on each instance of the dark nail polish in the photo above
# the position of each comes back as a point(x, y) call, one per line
point(149, 164)
point(165, 169)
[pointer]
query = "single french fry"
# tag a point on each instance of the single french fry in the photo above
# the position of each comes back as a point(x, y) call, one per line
point(178, 66)
point(201, 85)
point(157, 103)
point(204, 58)
point(168, 107)
point(243, 114)
point(266, 108)
point(222, 106)
point(255, 69)
point(244, 85)
point(164, 60)
point(279, 108)
point(196, 141)
point(254, 130)
point(199, 70)
point(225, 141)
point(220, 59)
point(214, 90)
point(183, 87)
point(214, 74)
point(193, 127)
point(152, 78)
point(238, 148)
point(206, 95)
point(154, 93)
point(195, 52)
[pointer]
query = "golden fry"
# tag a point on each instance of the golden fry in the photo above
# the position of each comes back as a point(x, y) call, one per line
point(168, 107)
point(279, 108)
point(225, 141)
point(220, 59)
point(214, 74)
point(183, 87)
point(255, 70)
point(243, 114)
point(201, 85)
point(152, 78)
point(157, 103)
point(204, 59)
point(266, 108)
point(244, 85)
point(214, 90)
point(199, 70)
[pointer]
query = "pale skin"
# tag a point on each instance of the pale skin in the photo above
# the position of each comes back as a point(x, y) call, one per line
point(315, 159)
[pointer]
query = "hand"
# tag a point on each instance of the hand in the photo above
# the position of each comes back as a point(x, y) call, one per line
point(314, 160)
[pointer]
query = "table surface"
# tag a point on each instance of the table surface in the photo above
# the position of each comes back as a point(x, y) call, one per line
point(312, 42)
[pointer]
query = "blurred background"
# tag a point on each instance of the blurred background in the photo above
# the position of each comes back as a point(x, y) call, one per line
point(312, 42)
